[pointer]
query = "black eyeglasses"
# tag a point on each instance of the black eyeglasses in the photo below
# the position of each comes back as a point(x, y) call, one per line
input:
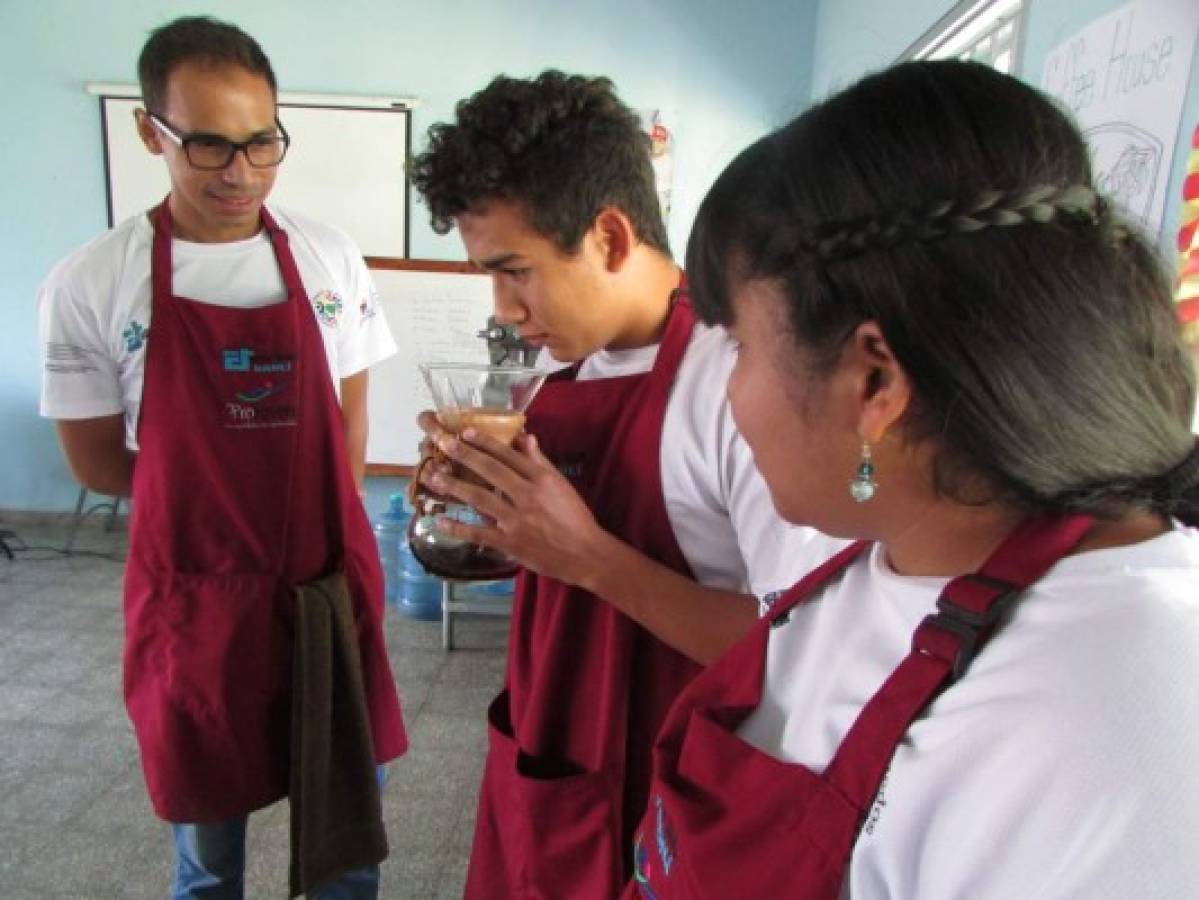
point(212, 152)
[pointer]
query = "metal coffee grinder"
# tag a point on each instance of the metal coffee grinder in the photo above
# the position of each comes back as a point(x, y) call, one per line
point(505, 347)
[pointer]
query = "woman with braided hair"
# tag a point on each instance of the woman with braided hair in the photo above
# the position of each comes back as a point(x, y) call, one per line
point(952, 351)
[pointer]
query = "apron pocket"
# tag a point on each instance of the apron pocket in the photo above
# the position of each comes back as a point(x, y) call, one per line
point(207, 679)
point(226, 649)
point(728, 793)
point(565, 819)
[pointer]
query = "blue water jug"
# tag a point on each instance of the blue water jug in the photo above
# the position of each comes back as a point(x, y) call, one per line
point(499, 588)
point(419, 592)
point(390, 534)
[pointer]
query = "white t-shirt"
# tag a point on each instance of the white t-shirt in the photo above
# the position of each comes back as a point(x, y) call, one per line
point(1063, 764)
point(717, 502)
point(94, 308)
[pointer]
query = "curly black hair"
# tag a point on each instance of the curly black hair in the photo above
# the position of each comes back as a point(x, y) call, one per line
point(562, 146)
point(200, 39)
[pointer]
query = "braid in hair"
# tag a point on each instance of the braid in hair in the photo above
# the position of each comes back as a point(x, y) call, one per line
point(1177, 491)
point(1171, 493)
point(1041, 204)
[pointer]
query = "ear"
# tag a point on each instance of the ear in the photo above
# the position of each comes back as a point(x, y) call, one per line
point(147, 132)
point(614, 236)
point(882, 387)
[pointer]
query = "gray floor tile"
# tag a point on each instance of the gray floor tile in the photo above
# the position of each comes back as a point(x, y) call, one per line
point(21, 852)
point(123, 800)
point(71, 789)
point(434, 732)
point(52, 798)
point(19, 702)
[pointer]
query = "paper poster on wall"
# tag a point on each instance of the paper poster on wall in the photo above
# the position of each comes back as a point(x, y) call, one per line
point(661, 154)
point(1188, 248)
point(1187, 294)
point(434, 317)
point(1124, 77)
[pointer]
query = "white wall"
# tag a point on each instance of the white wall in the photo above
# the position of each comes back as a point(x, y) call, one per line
point(729, 71)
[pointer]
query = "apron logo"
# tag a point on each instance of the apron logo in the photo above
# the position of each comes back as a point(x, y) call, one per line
point(237, 360)
point(328, 307)
point(246, 415)
point(246, 409)
point(665, 836)
point(260, 393)
point(242, 360)
point(134, 336)
point(641, 870)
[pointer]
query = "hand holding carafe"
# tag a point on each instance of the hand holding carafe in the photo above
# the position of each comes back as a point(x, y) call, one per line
point(475, 399)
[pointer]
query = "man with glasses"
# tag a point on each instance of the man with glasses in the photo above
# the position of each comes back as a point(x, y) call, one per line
point(195, 357)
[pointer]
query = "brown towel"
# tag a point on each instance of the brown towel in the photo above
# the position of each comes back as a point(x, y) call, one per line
point(336, 814)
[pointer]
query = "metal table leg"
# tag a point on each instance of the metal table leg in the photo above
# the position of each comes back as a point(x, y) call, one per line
point(463, 597)
point(76, 521)
point(447, 613)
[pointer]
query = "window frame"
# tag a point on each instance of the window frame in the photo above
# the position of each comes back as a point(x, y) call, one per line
point(962, 16)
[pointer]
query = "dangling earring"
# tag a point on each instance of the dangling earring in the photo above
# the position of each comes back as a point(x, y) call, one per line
point(863, 485)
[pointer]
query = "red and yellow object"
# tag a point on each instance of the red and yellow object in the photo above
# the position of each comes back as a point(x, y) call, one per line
point(1188, 249)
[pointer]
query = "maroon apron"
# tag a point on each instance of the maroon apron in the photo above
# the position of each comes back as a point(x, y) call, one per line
point(568, 767)
point(242, 490)
point(727, 820)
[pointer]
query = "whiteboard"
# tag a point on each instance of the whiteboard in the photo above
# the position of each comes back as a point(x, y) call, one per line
point(345, 167)
point(434, 317)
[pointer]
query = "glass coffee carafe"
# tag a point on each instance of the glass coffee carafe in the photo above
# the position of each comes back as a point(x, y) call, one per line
point(490, 399)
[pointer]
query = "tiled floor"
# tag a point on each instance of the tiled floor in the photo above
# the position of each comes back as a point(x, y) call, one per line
point(74, 818)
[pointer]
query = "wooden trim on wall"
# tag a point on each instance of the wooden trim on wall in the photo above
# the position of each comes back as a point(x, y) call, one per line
point(422, 265)
point(388, 470)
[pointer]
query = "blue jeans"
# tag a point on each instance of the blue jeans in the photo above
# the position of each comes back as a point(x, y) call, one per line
point(210, 864)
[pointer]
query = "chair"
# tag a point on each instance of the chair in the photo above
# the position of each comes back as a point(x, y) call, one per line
point(113, 505)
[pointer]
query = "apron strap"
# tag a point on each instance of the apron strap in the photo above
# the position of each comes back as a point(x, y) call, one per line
point(943, 646)
point(161, 275)
point(160, 262)
point(671, 348)
point(302, 321)
point(288, 267)
point(971, 606)
point(287, 263)
point(804, 589)
point(679, 325)
point(160, 257)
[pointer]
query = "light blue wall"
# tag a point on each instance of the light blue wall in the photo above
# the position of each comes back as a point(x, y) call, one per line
point(727, 70)
point(857, 36)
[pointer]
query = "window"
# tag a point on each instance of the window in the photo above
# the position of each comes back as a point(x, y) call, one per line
point(986, 31)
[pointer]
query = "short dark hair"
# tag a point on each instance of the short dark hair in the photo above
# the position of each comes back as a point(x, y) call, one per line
point(1037, 328)
point(199, 39)
point(563, 147)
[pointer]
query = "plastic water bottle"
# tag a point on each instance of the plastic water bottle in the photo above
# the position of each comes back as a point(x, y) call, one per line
point(390, 534)
point(419, 593)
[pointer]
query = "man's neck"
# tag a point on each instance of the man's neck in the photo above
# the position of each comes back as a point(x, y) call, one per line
point(650, 279)
point(183, 229)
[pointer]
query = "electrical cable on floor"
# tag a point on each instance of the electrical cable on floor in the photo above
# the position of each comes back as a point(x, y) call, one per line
point(14, 547)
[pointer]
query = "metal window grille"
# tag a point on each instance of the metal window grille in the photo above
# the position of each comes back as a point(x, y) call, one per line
point(986, 31)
